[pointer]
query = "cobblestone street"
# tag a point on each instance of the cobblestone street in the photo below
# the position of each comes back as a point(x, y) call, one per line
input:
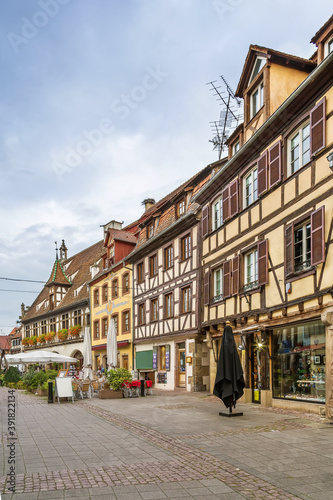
point(170, 445)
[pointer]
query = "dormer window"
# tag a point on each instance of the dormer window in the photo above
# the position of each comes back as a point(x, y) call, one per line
point(259, 64)
point(150, 230)
point(329, 47)
point(235, 148)
point(256, 100)
point(180, 208)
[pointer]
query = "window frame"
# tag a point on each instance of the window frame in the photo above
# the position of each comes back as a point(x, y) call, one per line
point(125, 286)
point(186, 246)
point(150, 230)
point(186, 299)
point(168, 307)
point(304, 243)
point(217, 296)
point(297, 132)
point(235, 147)
point(105, 296)
point(153, 266)
point(154, 310)
point(104, 331)
point(114, 288)
point(180, 207)
point(96, 297)
point(125, 314)
point(254, 186)
point(141, 314)
point(115, 317)
point(217, 215)
point(168, 257)
point(140, 272)
point(260, 89)
point(96, 330)
point(254, 283)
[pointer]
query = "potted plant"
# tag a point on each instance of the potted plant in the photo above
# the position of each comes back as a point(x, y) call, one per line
point(116, 378)
point(25, 341)
point(41, 339)
point(33, 340)
point(50, 336)
point(74, 331)
point(63, 334)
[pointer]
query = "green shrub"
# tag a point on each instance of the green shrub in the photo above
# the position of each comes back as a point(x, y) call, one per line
point(12, 375)
point(117, 377)
point(38, 379)
point(51, 374)
point(28, 376)
point(45, 385)
point(20, 385)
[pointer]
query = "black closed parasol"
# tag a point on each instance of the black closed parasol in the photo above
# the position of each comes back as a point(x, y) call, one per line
point(229, 382)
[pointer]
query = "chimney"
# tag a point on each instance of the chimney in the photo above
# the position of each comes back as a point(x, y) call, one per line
point(63, 251)
point(148, 203)
point(113, 224)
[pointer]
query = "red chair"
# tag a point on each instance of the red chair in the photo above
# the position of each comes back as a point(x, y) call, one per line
point(148, 387)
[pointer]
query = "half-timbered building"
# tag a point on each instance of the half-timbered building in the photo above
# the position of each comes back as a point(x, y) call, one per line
point(267, 231)
point(166, 290)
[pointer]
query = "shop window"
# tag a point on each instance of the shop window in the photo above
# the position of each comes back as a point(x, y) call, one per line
point(154, 310)
point(305, 243)
point(168, 305)
point(114, 289)
point(105, 293)
point(125, 283)
point(186, 250)
point(186, 299)
point(299, 362)
point(126, 321)
point(168, 257)
point(153, 266)
point(104, 327)
point(140, 272)
point(141, 314)
point(250, 187)
point(96, 330)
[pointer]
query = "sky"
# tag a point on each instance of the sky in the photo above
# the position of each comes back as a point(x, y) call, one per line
point(104, 103)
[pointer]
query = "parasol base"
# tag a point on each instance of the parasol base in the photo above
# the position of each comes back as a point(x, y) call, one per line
point(240, 414)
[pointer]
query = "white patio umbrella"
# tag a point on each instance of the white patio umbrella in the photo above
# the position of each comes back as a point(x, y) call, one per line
point(111, 346)
point(42, 357)
point(87, 358)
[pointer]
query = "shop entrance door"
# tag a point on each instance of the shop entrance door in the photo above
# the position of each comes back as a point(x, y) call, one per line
point(181, 366)
point(256, 372)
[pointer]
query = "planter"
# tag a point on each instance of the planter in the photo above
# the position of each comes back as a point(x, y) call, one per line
point(42, 393)
point(110, 394)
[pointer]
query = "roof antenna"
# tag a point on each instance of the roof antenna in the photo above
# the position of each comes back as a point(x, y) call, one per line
point(230, 115)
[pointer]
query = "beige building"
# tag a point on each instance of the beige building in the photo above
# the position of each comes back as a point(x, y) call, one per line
point(267, 231)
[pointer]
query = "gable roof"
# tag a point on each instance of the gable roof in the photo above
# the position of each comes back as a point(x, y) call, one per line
point(4, 342)
point(120, 235)
point(321, 30)
point(274, 55)
point(77, 266)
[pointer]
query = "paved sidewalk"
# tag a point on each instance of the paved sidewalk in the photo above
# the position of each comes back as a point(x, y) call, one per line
point(170, 445)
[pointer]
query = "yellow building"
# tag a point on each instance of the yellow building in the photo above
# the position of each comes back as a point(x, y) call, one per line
point(267, 231)
point(111, 297)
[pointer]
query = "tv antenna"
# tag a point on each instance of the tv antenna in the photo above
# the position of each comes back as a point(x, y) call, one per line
point(230, 116)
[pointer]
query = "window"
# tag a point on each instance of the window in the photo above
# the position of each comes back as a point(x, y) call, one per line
point(251, 187)
point(141, 314)
point(235, 148)
point(105, 293)
point(168, 305)
point(96, 330)
point(330, 46)
point(77, 317)
point(114, 288)
point(153, 265)
point(104, 327)
point(257, 67)
point(126, 283)
point(96, 297)
point(186, 299)
point(256, 100)
point(140, 272)
point(150, 230)
point(251, 270)
point(162, 357)
point(180, 208)
point(51, 302)
point(126, 321)
point(53, 324)
point(43, 325)
point(65, 321)
point(299, 149)
point(217, 213)
point(186, 247)
point(168, 257)
point(154, 310)
point(218, 284)
point(115, 319)
point(27, 331)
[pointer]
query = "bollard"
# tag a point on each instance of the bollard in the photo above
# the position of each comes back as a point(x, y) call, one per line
point(142, 388)
point(50, 395)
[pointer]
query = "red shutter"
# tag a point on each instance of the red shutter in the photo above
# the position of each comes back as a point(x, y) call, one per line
point(234, 198)
point(318, 127)
point(262, 262)
point(205, 221)
point(226, 279)
point(235, 275)
point(262, 173)
point(275, 164)
point(318, 236)
point(289, 250)
point(226, 203)
point(206, 288)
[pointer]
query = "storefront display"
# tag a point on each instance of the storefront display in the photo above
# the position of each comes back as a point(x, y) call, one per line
point(299, 362)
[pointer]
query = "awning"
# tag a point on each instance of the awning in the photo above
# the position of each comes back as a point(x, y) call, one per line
point(123, 343)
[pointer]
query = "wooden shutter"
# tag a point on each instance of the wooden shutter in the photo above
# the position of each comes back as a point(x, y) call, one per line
point(233, 198)
point(226, 279)
point(318, 236)
point(275, 164)
point(318, 127)
point(262, 262)
point(235, 275)
point(289, 249)
point(262, 173)
point(226, 203)
point(205, 221)
point(206, 288)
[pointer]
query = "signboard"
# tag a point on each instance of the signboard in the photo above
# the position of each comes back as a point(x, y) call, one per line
point(63, 388)
point(167, 358)
point(154, 358)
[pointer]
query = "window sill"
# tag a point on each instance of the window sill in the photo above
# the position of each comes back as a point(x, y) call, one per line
point(300, 274)
point(216, 300)
point(184, 312)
